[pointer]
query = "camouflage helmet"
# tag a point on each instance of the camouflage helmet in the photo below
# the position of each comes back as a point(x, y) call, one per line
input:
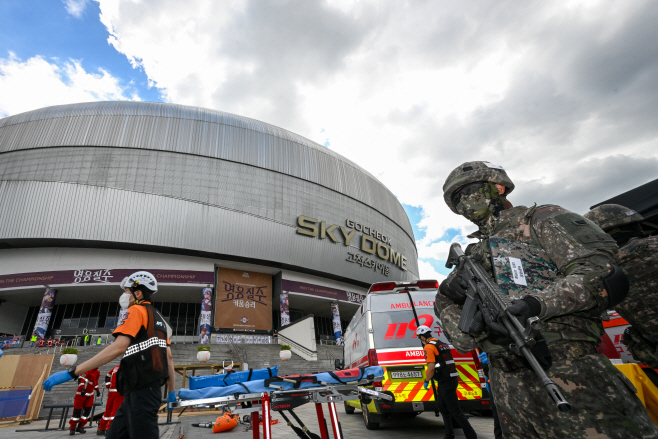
point(609, 216)
point(471, 172)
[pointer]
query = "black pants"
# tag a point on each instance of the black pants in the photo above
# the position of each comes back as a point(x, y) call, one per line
point(137, 418)
point(449, 408)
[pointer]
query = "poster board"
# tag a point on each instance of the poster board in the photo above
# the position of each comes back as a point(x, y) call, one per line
point(243, 300)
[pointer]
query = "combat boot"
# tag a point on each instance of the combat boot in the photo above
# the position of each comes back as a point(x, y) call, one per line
point(80, 430)
point(71, 432)
point(100, 432)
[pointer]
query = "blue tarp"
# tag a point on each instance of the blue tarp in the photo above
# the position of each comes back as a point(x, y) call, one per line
point(14, 402)
point(228, 379)
point(257, 386)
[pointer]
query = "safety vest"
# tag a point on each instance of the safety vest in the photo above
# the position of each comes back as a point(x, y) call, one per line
point(145, 360)
point(34, 338)
point(98, 341)
point(87, 337)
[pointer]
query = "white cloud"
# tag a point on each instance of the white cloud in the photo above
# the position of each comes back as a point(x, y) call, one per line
point(36, 83)
point(76, 7)
point(426, 271)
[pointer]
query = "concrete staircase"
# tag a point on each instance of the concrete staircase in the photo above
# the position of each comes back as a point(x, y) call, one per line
point(256, 356)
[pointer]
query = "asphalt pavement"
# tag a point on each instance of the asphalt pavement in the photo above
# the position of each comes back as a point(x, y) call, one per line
point(423, 426)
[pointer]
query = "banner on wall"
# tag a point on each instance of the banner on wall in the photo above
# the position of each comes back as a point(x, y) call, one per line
point(284, 307)
point(335, 318)
point(243, 300)
point(45, 311)
point(204, 318)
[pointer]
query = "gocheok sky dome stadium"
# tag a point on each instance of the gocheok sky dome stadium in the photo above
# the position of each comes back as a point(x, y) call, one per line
point(91, 192)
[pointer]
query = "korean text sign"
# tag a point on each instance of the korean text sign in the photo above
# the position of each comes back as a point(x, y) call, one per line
point(243, 301)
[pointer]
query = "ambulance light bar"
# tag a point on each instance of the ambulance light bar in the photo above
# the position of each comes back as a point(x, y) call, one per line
point(404, 286)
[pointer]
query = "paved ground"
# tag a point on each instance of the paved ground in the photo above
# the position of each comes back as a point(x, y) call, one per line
point(421, 427)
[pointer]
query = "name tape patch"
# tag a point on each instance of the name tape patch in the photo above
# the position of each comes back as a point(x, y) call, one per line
point(518, 275)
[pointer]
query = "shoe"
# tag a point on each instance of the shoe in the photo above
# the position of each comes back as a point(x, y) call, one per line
point(80, 430)
point(71, 432)
point(100, 432)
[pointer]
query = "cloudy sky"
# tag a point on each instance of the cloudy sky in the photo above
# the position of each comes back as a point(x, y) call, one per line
point(563, 94)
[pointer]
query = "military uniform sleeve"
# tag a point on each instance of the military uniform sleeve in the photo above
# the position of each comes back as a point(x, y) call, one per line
point(461, 341)
point(583, 254)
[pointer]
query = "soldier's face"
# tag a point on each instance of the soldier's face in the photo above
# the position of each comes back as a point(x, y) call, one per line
point(475, 206)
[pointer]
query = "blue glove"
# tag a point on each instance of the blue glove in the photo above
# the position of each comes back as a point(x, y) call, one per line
point(1, 353)
point(425, 384)
point(487, 384)
point(171, 397)
point(56, 378)
point(484, 359)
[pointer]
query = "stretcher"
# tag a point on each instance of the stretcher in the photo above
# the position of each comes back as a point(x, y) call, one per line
point(288, 393)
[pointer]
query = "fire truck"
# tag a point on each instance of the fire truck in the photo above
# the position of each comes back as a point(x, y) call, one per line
point(383, 332)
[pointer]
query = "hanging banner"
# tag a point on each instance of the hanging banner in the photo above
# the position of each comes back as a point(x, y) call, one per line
point(204, 318)
point(244, 300)
point(46, 310)
point(284, 307)
point(335, 318)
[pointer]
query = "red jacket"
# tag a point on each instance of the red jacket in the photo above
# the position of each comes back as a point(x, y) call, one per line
point(111, 379)
point(89, 382)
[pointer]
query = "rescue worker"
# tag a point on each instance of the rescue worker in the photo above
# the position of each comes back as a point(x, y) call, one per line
point(638, 251)
point(441, 369)
point(114, 400)
point(33, 340)
point(146, 365)
point(84, 400)
point(86, 339)
point(588, 283)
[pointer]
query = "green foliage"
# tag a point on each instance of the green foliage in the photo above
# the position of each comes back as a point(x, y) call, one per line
point(285, 347)
point(67, 351)
point(203, 348)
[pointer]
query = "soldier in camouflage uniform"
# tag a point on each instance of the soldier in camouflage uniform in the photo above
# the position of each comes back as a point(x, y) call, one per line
point(638, 251)
point(603, 401)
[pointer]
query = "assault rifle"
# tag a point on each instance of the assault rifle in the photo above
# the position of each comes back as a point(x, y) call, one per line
point(482, 293)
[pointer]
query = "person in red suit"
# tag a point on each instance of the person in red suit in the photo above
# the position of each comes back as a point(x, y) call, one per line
point(84, 400)
point(114, 401)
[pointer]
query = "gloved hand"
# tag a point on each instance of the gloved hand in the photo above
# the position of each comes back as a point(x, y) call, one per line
point(484, 358)
point(454, 288)
point(83, 392)
point(426, 384)
point(56, 378)
point(171, 397)
point(98, 394)
point(525, 308)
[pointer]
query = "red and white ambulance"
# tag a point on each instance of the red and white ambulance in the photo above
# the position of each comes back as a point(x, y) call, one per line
point(383, 332)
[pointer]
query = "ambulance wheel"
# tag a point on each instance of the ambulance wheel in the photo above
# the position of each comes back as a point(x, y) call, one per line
point(369, 418)
point(349, 409)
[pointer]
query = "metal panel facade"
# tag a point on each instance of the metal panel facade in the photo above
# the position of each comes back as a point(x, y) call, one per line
point(188, 178)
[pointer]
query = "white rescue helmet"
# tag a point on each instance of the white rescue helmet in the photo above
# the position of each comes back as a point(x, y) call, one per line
point(423, 330)
point(140, 278)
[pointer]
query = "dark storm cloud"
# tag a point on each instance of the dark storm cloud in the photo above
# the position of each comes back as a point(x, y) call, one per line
point(588, 182)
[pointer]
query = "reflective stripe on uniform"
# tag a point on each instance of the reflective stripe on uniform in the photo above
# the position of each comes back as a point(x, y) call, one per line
point(456, 374)
point(450, 362)
point(153, 341)
point(113, 390)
